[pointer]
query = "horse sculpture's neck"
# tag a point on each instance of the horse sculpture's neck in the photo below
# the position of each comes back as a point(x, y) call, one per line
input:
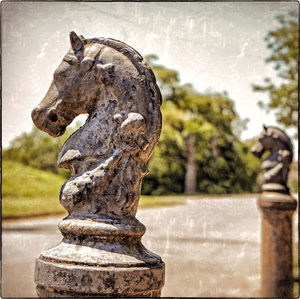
point(96, 139)
point(274, 155)
point(93, 140)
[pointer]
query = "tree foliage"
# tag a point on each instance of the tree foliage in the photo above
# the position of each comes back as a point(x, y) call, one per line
point(283, 43)
point(38, 150)
point(220, 156)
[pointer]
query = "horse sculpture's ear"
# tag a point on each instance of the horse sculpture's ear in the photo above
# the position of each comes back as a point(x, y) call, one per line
point(83, 39)
point(76, 42)
point(265, 127)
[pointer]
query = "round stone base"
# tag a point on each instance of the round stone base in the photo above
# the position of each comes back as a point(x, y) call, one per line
point(276, 201)
point(63, 280)
point(100, 257)
point(49, 292)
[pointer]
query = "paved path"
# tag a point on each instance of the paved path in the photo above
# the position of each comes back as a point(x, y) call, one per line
point(211, 248)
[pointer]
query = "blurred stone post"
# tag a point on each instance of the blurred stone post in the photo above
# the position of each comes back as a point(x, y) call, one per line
point(277, 207)
point(277, 244)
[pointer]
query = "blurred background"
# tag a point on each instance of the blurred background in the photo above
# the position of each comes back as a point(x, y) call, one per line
point(224, 70)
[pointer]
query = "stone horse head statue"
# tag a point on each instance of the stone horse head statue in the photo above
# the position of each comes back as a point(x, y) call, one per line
point(101, 253)
point(276, 165)
point(109, 81)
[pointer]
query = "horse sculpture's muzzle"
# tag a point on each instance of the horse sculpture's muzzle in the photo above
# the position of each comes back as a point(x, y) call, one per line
point(48, 116)
point(48, 122)
point(257, 150)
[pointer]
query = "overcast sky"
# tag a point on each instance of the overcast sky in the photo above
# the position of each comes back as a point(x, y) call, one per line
point(216, 46)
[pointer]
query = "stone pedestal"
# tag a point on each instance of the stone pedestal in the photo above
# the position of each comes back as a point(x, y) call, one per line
point(277, 246)
point(100, 257)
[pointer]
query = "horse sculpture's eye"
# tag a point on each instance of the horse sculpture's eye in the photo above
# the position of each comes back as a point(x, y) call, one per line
point(61, 72)
point(58, 77)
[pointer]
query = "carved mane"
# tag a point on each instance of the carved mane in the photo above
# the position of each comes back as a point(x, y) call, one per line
point(150, 87)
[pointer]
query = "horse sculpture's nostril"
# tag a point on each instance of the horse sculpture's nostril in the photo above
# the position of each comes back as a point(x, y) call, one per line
point(53, 117)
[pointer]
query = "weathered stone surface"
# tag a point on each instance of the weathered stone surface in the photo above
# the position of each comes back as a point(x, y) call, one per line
point(277, 207)
point(110, 281)
point(101, 253)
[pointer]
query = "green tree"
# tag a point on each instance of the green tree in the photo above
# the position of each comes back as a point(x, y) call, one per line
point(37, 149)
point(197, 151)
point(283, 42)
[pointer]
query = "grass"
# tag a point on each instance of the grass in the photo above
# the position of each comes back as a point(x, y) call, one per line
point(28, 191)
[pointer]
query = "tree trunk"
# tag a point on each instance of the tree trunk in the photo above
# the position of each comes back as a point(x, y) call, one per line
point(190, 185)
point(213, 143)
